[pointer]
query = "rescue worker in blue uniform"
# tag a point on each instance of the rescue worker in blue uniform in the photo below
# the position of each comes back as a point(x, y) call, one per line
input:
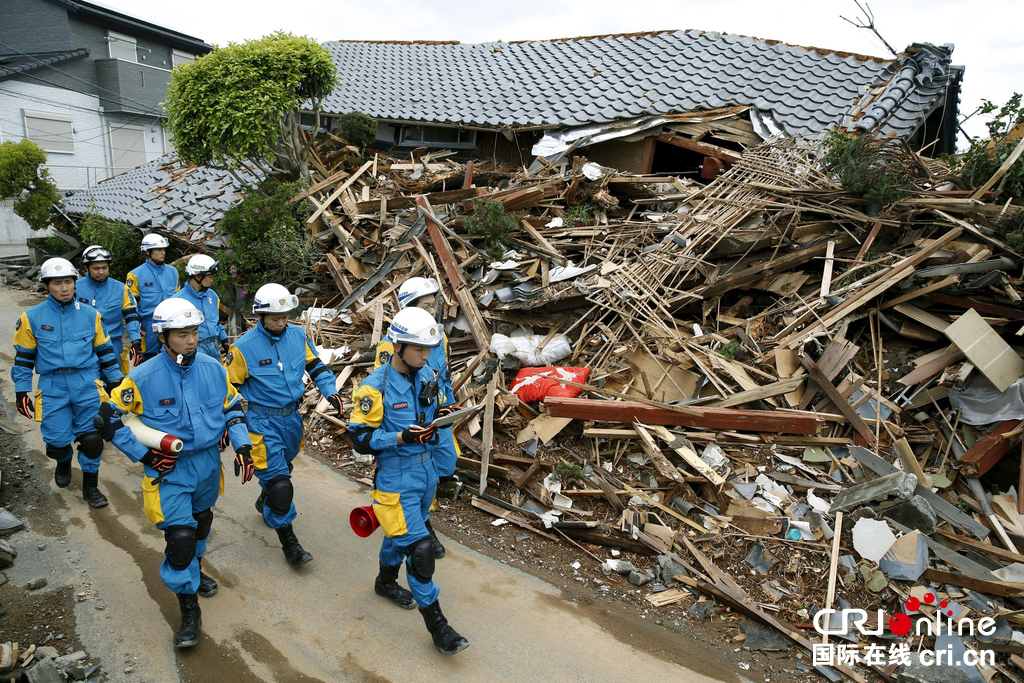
point(186, 395)
point(267, 364)
point(151, 283)
point(422, 292)
point(114, 302)
point(392, 419)
point(63, 341)
point(212, 335)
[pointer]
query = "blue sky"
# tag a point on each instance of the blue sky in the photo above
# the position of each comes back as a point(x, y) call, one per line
point(987, 36)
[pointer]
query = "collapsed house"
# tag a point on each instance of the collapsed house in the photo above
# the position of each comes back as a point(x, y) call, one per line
point(745, 392)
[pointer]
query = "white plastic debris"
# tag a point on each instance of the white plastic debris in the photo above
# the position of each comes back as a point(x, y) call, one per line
point(568, 272)
point(819, 504)
point(592, 171)
point(555, 222)
point(320, 314)
point(773, 492)
point(713, 456)
point(499, 522)
point(526, 349)
point(872, 538)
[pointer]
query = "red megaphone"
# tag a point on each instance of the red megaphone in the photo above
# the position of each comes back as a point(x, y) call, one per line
point(363, 521)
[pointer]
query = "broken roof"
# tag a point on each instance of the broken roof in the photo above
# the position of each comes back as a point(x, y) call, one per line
point(162, 193)
point(578, 81)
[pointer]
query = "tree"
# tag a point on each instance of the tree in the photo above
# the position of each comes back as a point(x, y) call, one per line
point(987, 155)
point(23, 179)
point(240, 104)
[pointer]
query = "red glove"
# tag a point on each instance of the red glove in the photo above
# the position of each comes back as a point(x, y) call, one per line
point(419, 434)
point(135, 353)
point(25, 405)
point(448, 409)
point(160, 461)
point(335, 400)
point(243, 463)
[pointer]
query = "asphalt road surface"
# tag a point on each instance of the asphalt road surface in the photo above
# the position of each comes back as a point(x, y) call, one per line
point(321, 622)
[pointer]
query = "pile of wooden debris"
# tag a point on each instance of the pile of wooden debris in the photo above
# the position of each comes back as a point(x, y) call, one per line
point(782, 393)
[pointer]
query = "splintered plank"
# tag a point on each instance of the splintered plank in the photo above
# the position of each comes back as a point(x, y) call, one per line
point(689, 456)
point(664, 467)
point(779, 422)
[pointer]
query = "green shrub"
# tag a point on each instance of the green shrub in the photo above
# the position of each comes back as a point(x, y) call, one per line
point(358, 128)
point(491, 221)
point(266, 243)
point(729, 350)
point(23, 179)
point(581, 214)
point(566, 472)
point(123, 241)
point(985, 156)
point(863, 170)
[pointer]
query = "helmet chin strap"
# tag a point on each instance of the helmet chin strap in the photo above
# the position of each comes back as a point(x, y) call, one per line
point(185, 359)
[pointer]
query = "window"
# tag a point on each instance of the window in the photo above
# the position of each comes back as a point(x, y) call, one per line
point(435, 136)
point(178, 58)
point(127, 147)
point(122, 47)
point(53, 132)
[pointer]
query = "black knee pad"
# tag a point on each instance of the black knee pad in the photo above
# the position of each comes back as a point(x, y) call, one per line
point(90, 444)
point(421, 560)
point(59, 452)
point(181, 546)
point(279, 494)
point(204, 520)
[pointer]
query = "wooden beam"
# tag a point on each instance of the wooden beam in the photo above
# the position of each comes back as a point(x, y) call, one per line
point(487, 438)
point(986, 548)
point(783, 386)
point(709, 418)
point(1004, 589)
point(467, 303)
point(815, 373)
point(337, 192)
point(826, 274)
point(773, 266)
point(989, 449)
point(704, 148)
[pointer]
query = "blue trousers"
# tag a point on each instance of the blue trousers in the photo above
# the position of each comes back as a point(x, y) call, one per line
point(65, 407)
point(276, 440)
point(191, 487)
point(402, 496)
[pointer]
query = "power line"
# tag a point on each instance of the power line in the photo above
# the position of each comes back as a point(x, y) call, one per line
point(146, 107)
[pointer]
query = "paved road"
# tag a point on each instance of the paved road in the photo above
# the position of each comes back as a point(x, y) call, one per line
point(322, 622)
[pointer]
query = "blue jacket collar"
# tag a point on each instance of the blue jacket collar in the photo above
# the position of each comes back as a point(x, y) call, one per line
point(58, 306)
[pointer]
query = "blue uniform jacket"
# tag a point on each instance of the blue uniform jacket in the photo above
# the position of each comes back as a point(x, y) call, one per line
point(268, 368)
point(49, 337)
point(209, 304)
point(114, 302)
point(194, 403)
point(150, 285)
point(438, 361)
point(386, 404)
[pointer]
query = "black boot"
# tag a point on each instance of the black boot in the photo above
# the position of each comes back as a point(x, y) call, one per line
point(207, 586)
point(62, 475)
point(293, 552)
point(445, 638)
point(92, 495)
point(260, 500)
point(387, 586)
point(438, 548)
point(191, 620)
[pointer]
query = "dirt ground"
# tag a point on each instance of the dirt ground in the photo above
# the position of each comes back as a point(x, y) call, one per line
point(617, 604)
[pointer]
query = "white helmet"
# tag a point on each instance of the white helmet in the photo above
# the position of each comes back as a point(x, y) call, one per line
point(416, 288)
point(274, 298)
point(200, 265)
point(95, 254)
point(154, 241)
point(54, 268)
point(176, 314)
point(416, 327)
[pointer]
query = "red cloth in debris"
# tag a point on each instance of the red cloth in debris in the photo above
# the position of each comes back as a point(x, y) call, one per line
point(536, 384)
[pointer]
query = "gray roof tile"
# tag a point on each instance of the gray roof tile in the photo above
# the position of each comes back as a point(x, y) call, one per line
point(540, 83)
point(152, 192)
